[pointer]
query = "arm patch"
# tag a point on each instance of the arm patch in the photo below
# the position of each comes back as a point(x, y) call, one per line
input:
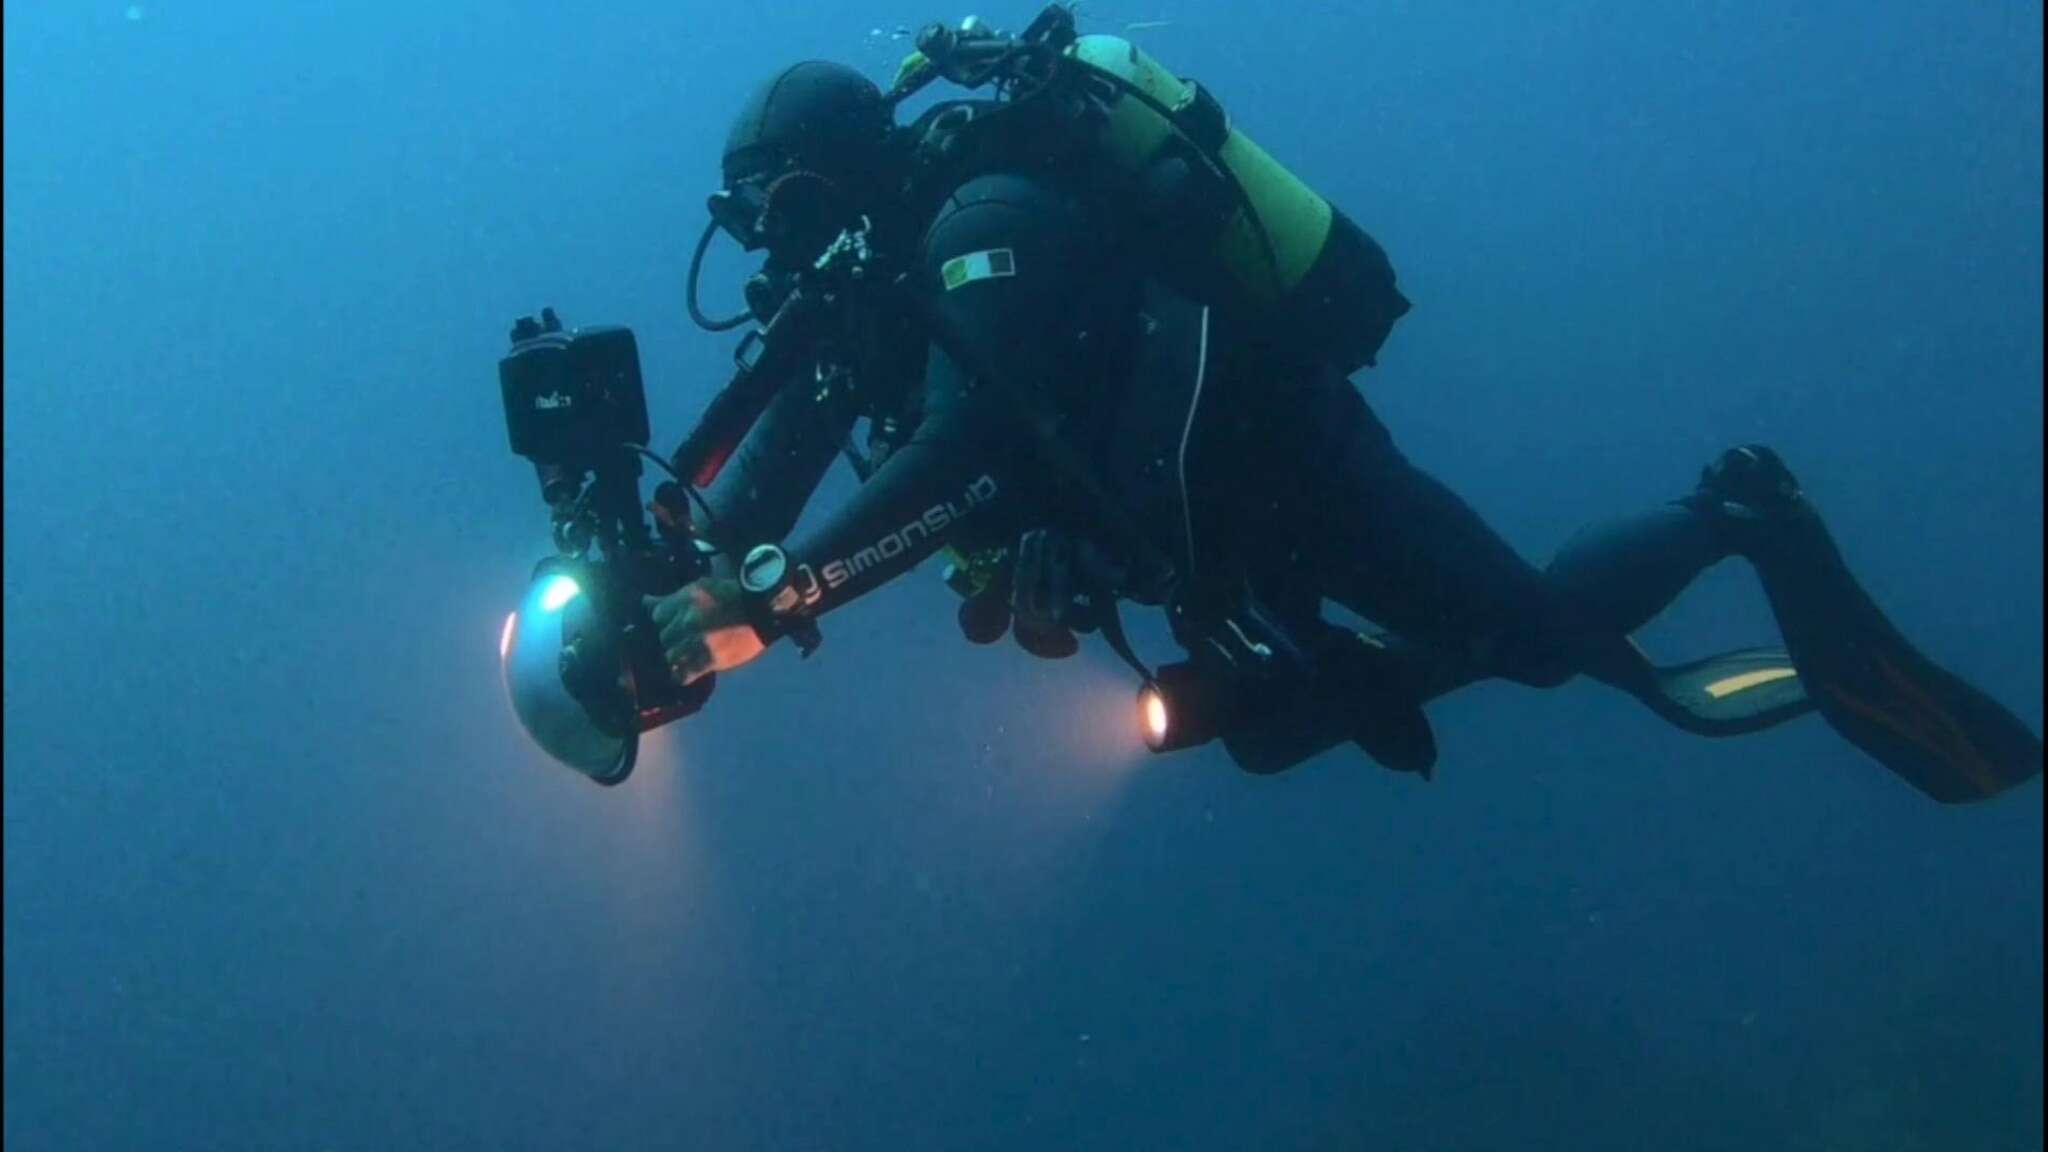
point(987, 265)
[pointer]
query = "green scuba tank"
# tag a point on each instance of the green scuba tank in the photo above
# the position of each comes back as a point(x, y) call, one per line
point(1232, 227)
point(1245, 231)
point(1229, 225)
point(1267, 244)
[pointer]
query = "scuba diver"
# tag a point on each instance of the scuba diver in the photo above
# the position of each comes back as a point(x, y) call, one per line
point(1103, 346)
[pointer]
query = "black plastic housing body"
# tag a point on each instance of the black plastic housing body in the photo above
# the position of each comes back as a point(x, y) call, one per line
point(571, 397)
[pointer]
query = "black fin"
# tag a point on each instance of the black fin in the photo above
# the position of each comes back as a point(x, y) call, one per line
point(1942, 735)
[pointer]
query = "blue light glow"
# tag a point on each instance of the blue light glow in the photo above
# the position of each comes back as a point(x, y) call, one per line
point(559, 591)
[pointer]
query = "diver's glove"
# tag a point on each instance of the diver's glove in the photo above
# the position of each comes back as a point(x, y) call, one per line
point(982, 580)
point(1060, 584)
point(705, 628)
point(1042, 590)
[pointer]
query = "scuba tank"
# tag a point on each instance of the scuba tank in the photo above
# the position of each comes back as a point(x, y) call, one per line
point(1231, 227)
point(1218, 222)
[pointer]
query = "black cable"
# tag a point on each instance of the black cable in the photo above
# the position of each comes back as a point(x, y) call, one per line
point(710, 518)
point(690, 288)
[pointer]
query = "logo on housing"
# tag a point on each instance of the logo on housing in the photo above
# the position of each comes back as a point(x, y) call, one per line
point(990, 265)
point(934, 520)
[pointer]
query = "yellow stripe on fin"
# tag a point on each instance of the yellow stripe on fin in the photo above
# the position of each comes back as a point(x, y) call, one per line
point(1729, 686)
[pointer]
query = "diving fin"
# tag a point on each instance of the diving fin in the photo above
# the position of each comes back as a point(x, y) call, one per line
point(1732, 694)
point(1943, 736)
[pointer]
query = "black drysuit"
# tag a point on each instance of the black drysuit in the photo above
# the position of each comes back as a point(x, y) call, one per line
point(1287, 479)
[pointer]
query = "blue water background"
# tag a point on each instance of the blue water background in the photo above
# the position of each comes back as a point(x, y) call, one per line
point(282, 873)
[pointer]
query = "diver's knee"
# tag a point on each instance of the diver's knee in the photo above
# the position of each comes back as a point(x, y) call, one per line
point(1536, 659)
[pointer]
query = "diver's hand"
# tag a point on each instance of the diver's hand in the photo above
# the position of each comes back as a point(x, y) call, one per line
point(704, 628)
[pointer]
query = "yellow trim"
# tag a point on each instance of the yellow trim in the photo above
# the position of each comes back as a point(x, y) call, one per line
point(1733, 684)
point(1281, 211)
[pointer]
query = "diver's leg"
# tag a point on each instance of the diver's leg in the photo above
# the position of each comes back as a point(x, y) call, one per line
point(1394, 545)
point(1620, 574)
point(1339, 507)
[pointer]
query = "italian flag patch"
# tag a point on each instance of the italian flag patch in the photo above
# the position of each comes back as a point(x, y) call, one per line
point(989, 265)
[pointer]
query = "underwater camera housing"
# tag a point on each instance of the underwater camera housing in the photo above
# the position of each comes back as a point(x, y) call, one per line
point(570, 398)
point(581, 658)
